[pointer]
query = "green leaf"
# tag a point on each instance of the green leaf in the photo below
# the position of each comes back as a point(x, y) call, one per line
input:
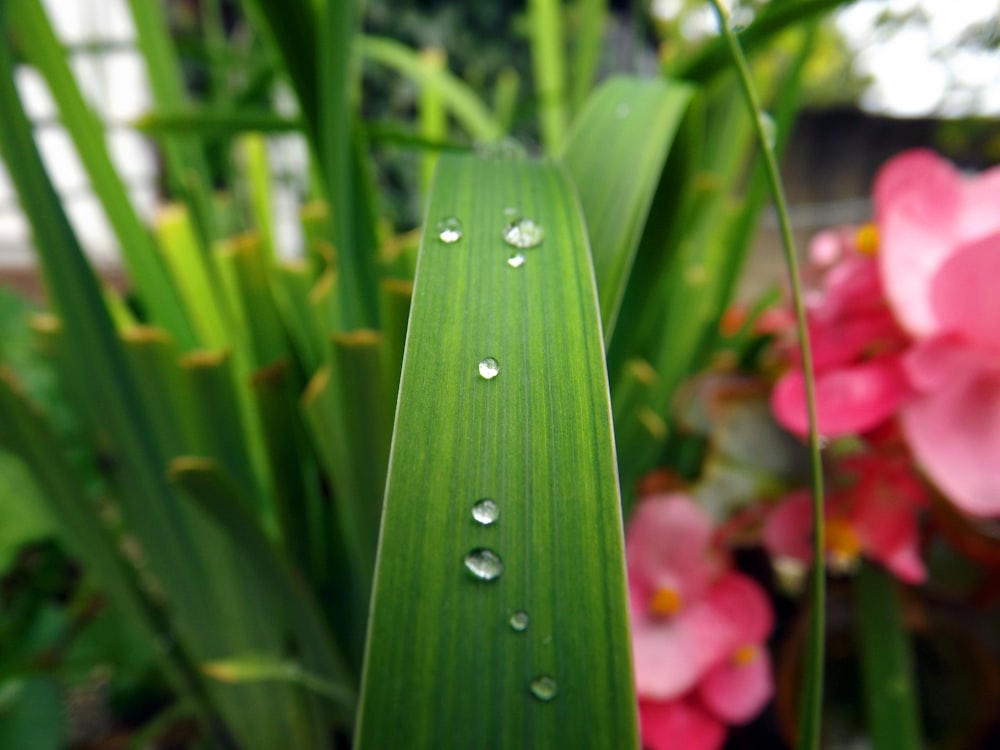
point(24, 517)
point(887, 663)
point(537, 439)
point(615, 154)
point(548, 58)
point(214, 123)
point(32, 714)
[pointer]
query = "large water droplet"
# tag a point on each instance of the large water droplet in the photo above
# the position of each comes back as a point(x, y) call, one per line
point(484, 564)
point(523, 233)
point(770, 130)
point(489, 368)
point(544, 687)
point(516, 260)
point(519, 621)
point(485, 511)
point(449, 230)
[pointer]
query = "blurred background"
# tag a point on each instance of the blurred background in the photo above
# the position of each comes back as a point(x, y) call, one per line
point(885, 75)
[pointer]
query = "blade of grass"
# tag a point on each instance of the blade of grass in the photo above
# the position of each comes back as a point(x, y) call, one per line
point(587, 48)
point(460, 99)
point(252, 149)
point(537, 439)
point(548, 56)
point(811, 706)
point(432, 116)
point(615, 154)
point(214, 123)
point(887, 663)
point(29, 28)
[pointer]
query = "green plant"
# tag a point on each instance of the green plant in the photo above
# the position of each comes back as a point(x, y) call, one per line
point(247, 401)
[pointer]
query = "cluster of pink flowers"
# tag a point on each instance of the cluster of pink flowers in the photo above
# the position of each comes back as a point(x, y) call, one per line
point(698, 628)
point(906, 327)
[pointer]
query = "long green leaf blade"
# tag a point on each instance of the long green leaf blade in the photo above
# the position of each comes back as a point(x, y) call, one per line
point(536, 439)
point(615, 155)
point(887, 663)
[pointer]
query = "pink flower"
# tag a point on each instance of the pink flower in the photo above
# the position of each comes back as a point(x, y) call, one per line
point(698, 628)
point(940, 260)
point(860, 380)
point(874, 514)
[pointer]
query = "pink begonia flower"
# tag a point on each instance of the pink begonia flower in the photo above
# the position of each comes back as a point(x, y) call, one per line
point(698, 628)
point(940, 258)
point(875, 516)
point(856, 344)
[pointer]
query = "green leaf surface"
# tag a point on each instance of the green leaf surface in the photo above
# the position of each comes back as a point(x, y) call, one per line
point(25, 518)
point(537, 440)
point(887, 663)
point(615, 155)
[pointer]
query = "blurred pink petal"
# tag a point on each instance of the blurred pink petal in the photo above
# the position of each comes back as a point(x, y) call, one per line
point(954, 434)
point(679, 725)
point(739, 688)
point(935, 363)
point(848, 400)
point(964, 292)
point(788, 529)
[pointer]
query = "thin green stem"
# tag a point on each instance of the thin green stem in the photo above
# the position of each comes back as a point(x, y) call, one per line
point(811, 708)
point(548, 54)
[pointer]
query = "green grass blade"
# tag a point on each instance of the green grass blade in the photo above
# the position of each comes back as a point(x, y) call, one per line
point(432, 116)
point(587, 48)
point(214, 123)
point(811, 706)
point(548, 58)
point(887, 663)
point(537, 439)
point(460, 99)
point(615, 155)
point(27, 23)
point(713, 58)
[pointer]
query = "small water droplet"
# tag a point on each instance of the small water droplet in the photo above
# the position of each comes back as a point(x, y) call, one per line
point(511, 213)
point(485, 511)
point(519, 621)
point(484, 564)
point(622, 111)
point(489, 368)
point(516, 260)
point(523, 234)
point(449, 230)
point(544, 688)
point(770, 130)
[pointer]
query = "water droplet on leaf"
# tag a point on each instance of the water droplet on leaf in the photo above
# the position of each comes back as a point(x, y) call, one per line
point(519, 621)
point(489, 368)
point(449, 230)
point(484, 564)
point(485, 511)
point(523, 234)
point(544, 688)
point(516, 260)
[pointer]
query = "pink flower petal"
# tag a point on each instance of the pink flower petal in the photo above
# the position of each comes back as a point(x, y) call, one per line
point(788, 529)
point(918, 200)
point(667, 545)
point(964, 295)
point(739, 600)
point(737, 692)
point(980, 198)
point(955, 436)
point(849, 400)
point(679, 725)
point(932, 364)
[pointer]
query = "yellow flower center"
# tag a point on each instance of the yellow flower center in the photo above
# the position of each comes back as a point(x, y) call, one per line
point(744, 655)
point(867, 239)
point(665, 602)
point(842, 543)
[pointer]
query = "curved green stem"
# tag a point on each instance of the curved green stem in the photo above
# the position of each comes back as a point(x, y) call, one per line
point(811, 708)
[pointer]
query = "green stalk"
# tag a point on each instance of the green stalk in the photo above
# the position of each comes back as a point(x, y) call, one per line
point(548, 55)
point(811, 706)
point(432, 115)
point(587, 49)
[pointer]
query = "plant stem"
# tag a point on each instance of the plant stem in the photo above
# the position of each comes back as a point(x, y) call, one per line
point(811, 708)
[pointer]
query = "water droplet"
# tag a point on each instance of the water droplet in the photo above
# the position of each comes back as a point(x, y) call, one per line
point(523, 234)
point(484, 564)
point(489, 368)
point(544, 688)
point(511, 213)
point(485, 511)
point(519, 621)
point(622, 111)
point(516, 260)
point(769, 129)
point(449, 230)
